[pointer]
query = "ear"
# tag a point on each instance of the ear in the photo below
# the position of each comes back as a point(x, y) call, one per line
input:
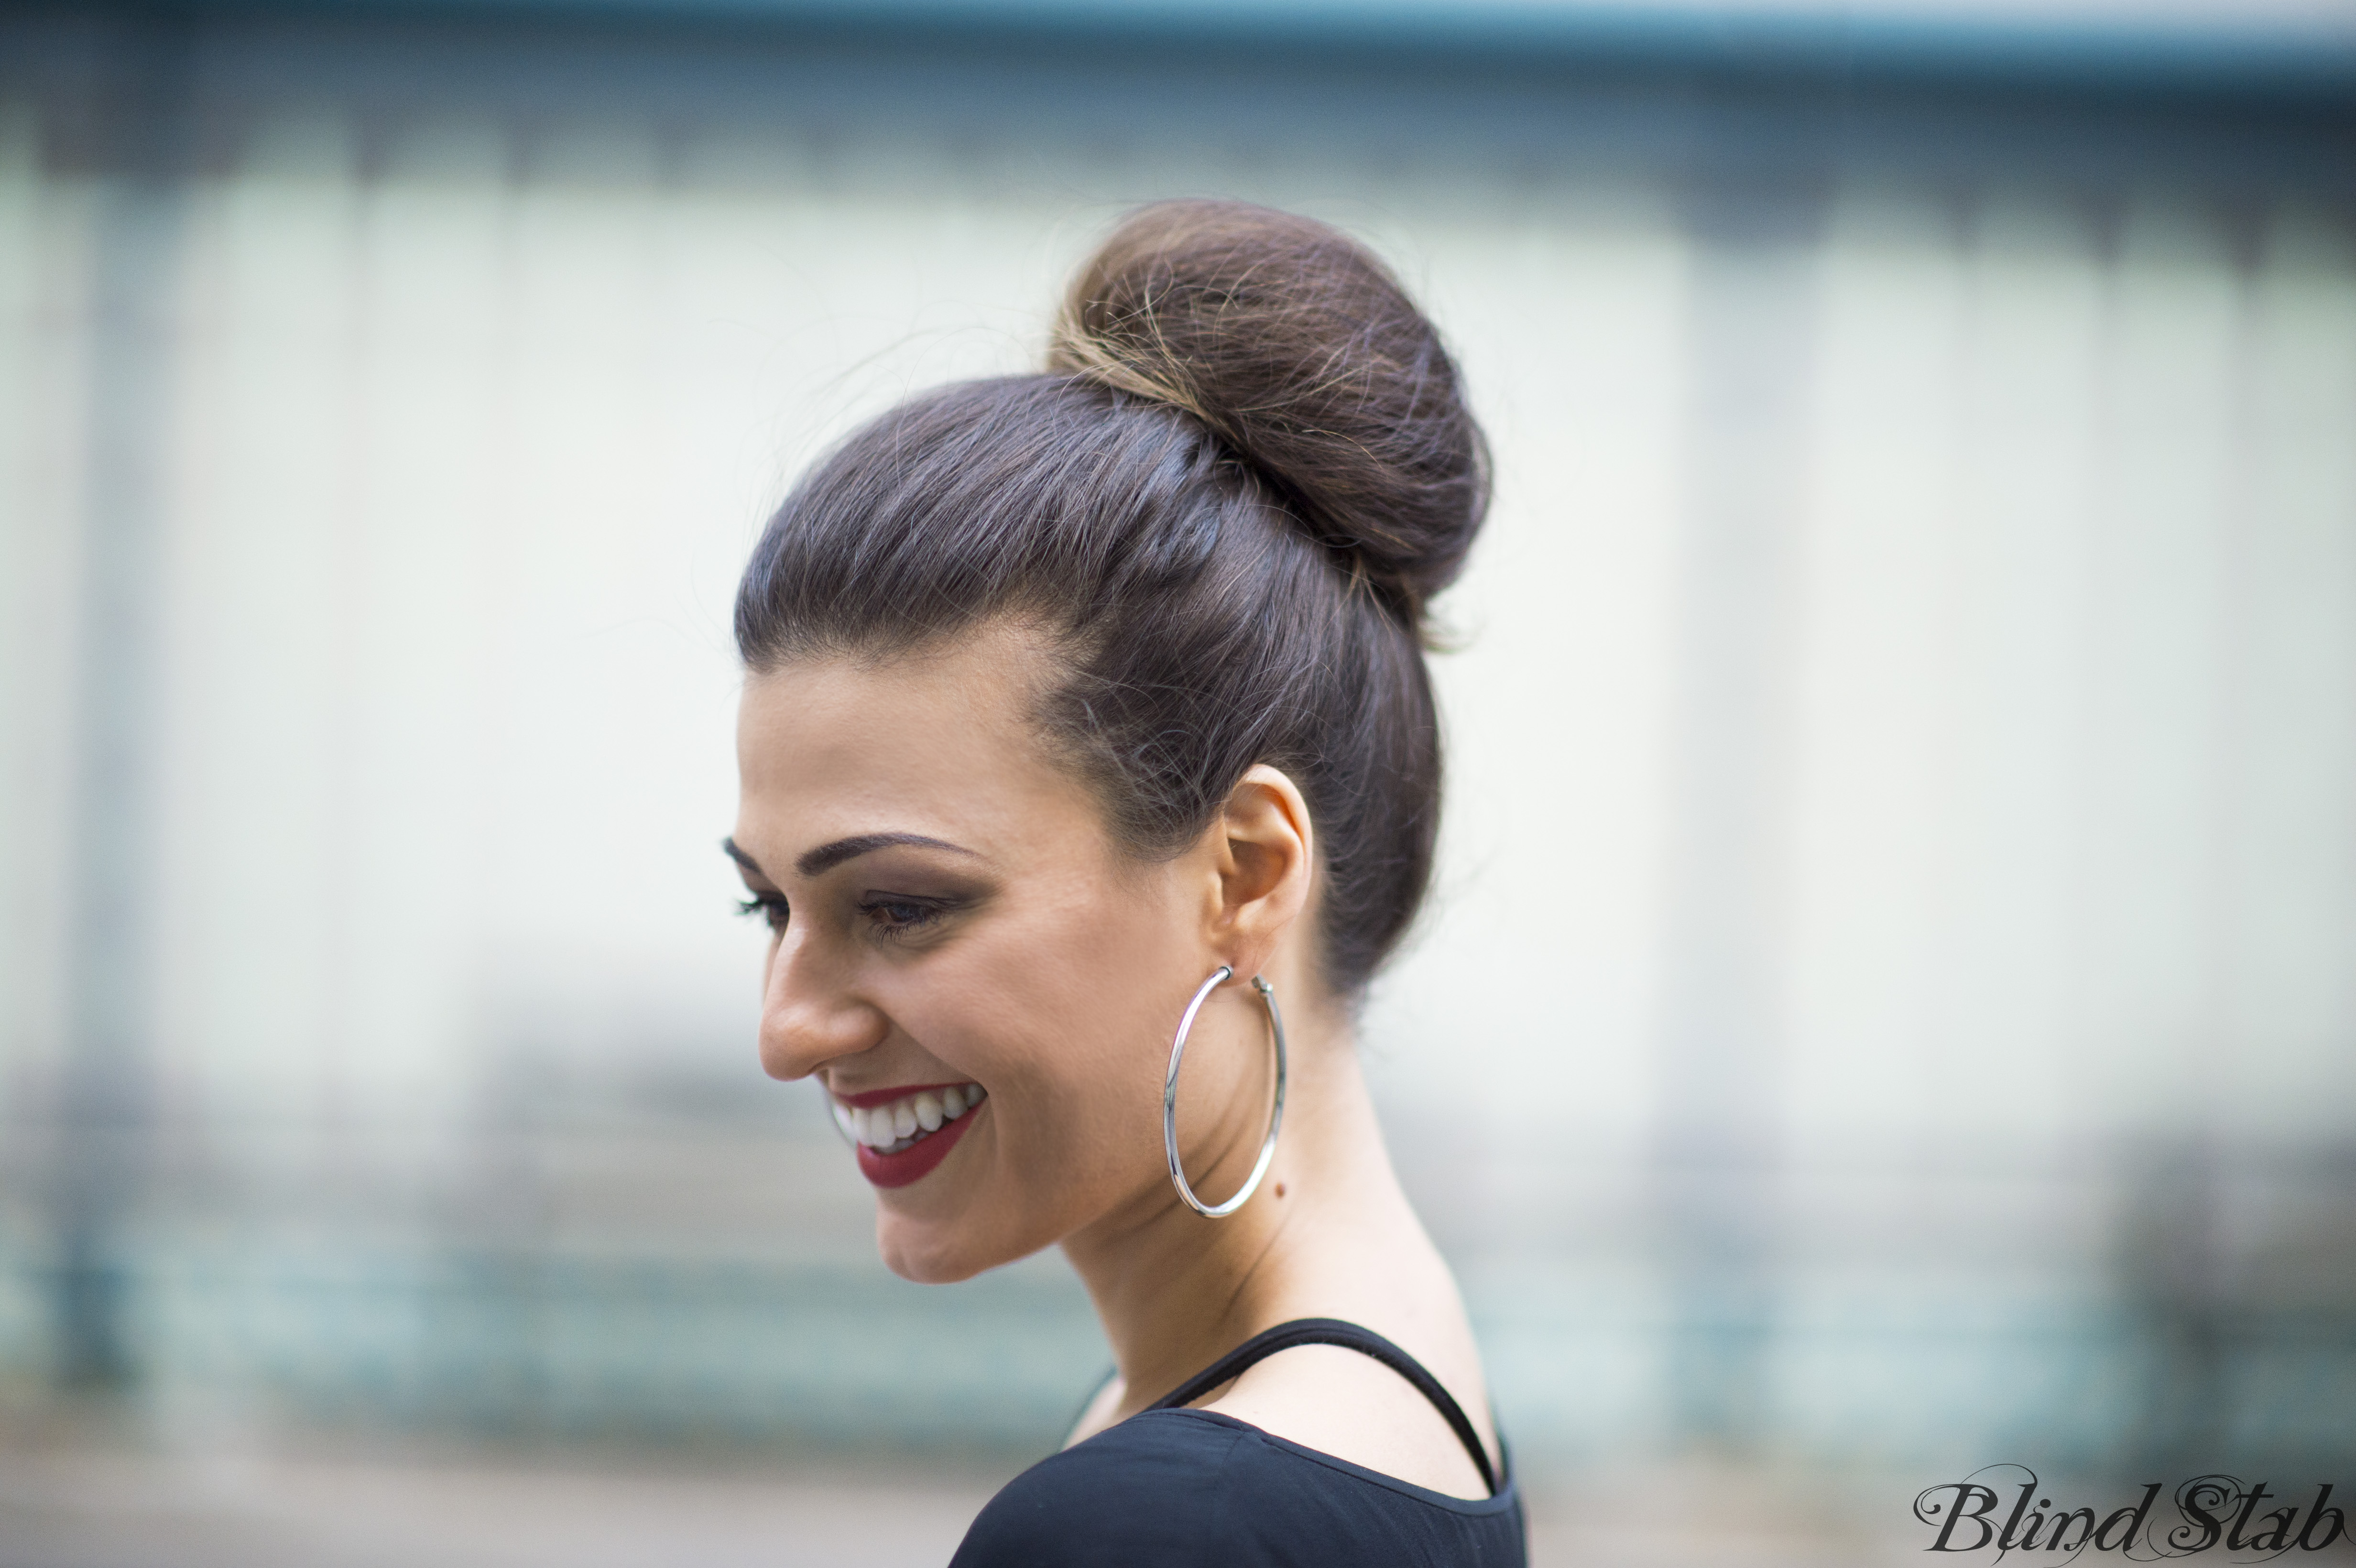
point(1265, 858)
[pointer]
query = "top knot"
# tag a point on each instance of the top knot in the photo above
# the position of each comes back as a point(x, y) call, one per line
point(1301, 352)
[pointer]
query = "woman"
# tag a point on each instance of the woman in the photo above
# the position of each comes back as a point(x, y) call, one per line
point(1089, 772)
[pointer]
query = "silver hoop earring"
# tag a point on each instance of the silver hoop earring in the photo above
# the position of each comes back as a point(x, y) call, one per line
point(1170, 1097)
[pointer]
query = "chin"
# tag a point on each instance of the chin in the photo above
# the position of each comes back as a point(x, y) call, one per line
point(928, 1252)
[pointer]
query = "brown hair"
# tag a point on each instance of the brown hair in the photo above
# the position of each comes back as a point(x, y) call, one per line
point(1248, 467)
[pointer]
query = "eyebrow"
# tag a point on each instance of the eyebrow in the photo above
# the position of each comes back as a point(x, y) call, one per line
point(826, 856)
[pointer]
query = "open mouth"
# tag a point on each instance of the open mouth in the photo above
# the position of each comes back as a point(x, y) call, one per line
point(900, 1124)
point(900, 1140)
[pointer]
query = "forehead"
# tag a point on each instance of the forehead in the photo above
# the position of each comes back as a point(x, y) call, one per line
point(941, 742)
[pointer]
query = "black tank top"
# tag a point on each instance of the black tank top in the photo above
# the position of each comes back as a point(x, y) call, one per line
point(1173, 1486)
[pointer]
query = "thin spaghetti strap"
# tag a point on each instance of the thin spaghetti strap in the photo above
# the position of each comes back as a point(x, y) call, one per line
point(1335, 1331)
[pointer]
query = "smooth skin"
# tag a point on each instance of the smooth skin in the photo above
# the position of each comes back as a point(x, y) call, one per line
point(1025, 951)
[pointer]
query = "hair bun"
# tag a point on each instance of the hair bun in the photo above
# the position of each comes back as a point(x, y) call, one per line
point(1301, 352)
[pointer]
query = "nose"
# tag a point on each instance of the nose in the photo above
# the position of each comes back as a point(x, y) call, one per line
point(810, 1015)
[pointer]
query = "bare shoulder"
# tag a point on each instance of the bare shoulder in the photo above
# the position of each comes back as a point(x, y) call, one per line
point(1103, 1410)
point(1345, 1404)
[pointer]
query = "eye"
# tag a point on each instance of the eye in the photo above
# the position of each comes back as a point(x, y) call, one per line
point(896, 917)
point(771, 907)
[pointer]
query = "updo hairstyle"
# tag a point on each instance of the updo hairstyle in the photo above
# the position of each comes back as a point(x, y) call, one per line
point(1247, 468)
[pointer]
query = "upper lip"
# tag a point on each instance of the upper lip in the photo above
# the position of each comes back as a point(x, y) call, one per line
point(868, 1099)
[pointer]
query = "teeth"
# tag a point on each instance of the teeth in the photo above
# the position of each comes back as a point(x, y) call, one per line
point(887, 1129)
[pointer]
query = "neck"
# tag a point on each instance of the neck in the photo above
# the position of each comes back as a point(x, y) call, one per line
point(1176, 1290)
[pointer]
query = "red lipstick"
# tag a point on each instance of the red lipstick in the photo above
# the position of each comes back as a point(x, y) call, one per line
point(917, 1161)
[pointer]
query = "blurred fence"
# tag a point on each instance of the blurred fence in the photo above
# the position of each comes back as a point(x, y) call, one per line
point(1892, 992)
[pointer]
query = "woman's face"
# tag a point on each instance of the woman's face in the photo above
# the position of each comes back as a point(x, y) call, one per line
point(957, 937)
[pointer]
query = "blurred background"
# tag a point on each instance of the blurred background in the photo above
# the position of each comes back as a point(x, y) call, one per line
point(1889, 1005)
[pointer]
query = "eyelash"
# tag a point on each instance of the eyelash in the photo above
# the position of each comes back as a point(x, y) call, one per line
point(773, 908)
point(769, 905)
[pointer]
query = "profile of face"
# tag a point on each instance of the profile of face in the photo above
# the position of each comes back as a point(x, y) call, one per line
point(982, 978)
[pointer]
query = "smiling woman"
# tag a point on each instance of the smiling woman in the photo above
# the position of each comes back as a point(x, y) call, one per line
point(1089, 771)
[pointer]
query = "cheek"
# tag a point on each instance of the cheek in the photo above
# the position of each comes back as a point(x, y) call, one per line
point(1065, 1017)
point(1061, 1021)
